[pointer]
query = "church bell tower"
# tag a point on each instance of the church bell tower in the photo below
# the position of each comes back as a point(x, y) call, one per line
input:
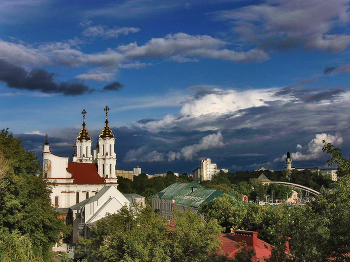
point(83, 145)
point(106, 157)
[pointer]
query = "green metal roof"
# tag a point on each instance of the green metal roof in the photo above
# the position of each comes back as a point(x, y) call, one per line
point(203, 195)
point(179, 190)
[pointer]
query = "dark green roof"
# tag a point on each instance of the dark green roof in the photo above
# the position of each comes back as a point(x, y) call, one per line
point(179, 190)
point(203, 195)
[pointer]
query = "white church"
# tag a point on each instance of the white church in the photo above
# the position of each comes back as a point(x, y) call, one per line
point(87, 174)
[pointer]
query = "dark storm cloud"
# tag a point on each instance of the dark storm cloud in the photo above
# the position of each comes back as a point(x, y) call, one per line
point(309, 95)
point(146, 120)
point(115, 86)
point(329, 70)
point(38, 80)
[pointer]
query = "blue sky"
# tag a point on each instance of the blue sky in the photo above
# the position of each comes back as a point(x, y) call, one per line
point(240, 82)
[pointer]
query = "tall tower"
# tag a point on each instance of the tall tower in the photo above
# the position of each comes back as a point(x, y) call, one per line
point(83, 145)
point(288, 165)
point(106, 157)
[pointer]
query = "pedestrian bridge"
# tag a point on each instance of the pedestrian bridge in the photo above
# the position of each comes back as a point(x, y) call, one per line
point(304, 188)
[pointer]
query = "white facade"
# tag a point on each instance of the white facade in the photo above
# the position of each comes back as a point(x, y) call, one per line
point(108, 201)
point(80, 179)
point(330, 172)
point(208, 170)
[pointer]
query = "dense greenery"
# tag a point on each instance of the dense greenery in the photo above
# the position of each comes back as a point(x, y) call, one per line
point(29, 226)
point(239, 183)
point(317, 231)
point(141, 235)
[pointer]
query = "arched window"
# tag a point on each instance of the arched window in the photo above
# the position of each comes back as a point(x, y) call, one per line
point(77, 197)
point(56, 201)
point(87, 195)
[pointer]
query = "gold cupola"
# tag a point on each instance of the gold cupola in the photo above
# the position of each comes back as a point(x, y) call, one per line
point(106, 131)
point(83, 135)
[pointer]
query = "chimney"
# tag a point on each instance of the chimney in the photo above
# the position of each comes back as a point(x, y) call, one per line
point(249, 237)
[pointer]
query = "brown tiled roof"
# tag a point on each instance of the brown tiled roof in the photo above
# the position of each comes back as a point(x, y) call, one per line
point(231, 247)
point(84, 173)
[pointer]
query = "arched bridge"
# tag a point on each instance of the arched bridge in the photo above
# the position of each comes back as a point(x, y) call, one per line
point(304, 188)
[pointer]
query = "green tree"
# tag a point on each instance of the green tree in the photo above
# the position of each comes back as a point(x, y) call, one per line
point(25, 206)
point(125, 185)
point(136, 234)
point(259, 190)
point(227, 210)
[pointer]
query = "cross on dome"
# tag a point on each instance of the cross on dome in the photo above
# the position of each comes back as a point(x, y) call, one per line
point(106, 132)
point(83, 135)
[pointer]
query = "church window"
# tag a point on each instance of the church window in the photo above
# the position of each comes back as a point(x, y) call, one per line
point(110, 169)
point(110, 149)
point(103, 150)
point(103, 169)
point(87, 148)
point(77, 197)
point(87, 195)
point(81, 151)
point(56, 201)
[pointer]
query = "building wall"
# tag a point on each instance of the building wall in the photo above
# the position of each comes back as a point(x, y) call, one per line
point(125, 174)
point(164, 206)
point(65, 195)
point(208, 170)
point(196, 174)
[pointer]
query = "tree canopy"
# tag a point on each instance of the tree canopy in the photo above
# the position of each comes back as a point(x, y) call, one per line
point(136, 234)
point(26, 215)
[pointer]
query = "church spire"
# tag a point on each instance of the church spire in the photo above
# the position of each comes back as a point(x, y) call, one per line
point(106, 132)
point(83, 145)
point(83, 135)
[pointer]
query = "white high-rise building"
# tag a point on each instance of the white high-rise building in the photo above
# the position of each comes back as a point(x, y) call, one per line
point(208, 170)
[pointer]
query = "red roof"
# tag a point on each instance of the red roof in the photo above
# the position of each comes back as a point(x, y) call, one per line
point(231, 247)
point(84, 173)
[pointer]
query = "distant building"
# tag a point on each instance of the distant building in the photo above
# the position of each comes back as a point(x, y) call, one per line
point(161, 175)
point(182, 196)
point(208, 169)
point(137, 171)
point(325, 172)
point(196, 174)
point(232, 244)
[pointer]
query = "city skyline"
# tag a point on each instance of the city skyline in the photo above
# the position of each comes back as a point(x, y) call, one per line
point(239, 82)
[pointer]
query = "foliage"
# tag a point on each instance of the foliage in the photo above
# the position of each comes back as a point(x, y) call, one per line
point(136, 234)
point(259, 190)
point(25, 206)
point(227, 210)
point(16, 247)
point(280, 192)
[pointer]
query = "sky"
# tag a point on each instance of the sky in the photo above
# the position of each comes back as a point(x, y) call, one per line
point(239, 82)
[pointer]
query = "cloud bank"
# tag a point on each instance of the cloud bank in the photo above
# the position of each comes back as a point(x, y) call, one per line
point(41, 80)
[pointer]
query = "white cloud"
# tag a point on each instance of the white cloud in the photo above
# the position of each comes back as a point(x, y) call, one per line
point(221, 102)
point(207, 142)
point(36, 132)
point(313, 150)
point(282, 24)
point(97, 76)
point(102, 31)
point(181, 46)
point(187, 152)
